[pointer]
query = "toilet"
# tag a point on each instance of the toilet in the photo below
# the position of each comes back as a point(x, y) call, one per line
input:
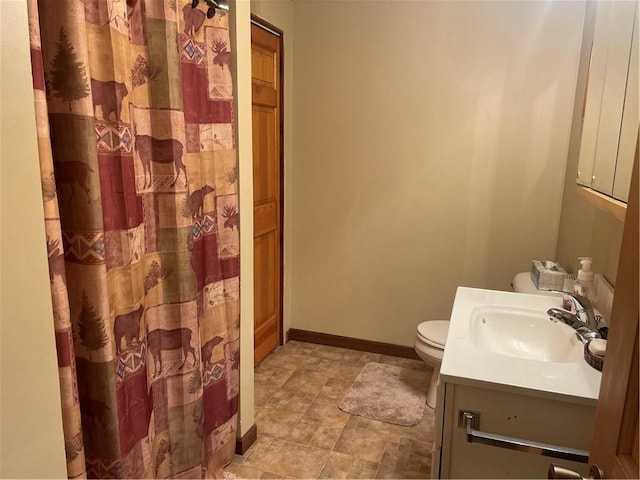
point(431, 336)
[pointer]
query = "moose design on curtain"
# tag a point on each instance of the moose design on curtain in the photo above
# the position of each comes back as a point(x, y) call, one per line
point(139, 177)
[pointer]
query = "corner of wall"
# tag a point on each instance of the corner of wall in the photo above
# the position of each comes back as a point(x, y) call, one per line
point(240, 30)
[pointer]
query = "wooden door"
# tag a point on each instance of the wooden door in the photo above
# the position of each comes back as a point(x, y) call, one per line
point(614, 447)
point(267, 197)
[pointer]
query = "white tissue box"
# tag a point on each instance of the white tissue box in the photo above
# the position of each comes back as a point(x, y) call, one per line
point(547, 275)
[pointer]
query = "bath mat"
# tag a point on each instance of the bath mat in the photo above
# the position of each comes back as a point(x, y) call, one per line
point(388, 393)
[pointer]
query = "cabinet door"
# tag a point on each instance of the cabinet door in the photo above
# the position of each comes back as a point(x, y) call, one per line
point(630, 121)
point(531, 418)
point(594, 89)
point(611, 88)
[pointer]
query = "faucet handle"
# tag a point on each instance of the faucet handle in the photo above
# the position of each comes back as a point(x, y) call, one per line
point(580, 302)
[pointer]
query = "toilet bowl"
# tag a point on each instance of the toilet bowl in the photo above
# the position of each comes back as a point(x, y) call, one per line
point(431, 337)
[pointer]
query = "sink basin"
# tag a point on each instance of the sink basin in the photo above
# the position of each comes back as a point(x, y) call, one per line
point(505, 340)
point(524, 333)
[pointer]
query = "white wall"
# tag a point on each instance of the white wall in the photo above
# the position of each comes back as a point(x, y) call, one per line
point(430, 150)
point(31, 441)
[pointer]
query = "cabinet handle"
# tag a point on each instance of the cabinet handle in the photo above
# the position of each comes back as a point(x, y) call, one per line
point(470, 422)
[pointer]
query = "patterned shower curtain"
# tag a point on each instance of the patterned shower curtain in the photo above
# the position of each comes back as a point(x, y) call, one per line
point(139, 178)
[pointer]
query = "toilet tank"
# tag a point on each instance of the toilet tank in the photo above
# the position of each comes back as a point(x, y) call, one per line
point(522, 283)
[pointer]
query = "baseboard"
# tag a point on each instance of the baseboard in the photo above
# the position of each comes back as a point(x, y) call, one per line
point(243, 443)
point(352, 343)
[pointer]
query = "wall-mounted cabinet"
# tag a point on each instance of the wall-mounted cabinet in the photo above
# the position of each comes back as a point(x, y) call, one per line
point(610, 121)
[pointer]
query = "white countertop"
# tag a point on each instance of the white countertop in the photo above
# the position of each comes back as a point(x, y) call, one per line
point(466, 363)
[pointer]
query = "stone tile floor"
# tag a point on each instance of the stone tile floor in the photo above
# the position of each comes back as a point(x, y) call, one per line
point(303, 434)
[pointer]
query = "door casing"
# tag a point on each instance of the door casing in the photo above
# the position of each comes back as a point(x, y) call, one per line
point(264, 343)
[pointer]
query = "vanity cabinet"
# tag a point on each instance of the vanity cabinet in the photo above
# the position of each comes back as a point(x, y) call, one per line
point(525, 415)
point(524, 378)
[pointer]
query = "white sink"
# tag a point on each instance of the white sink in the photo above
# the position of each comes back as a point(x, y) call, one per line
point(523, 333)
point(505, 340)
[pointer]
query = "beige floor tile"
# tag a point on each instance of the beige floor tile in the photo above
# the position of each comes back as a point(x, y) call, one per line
point(353, 421)
point(362, 444)
point(264, 447)
point(360, 359)
point(423, 431)
point(261, 446)
point(303, 434)
point(386, 471)
point(237, 458)
point(371, 424)
point(409, 474)
point(275, 376)
point(421, 448)
point(302, 348)
point(304, 430)
point(269, 476)
point(277, 422)
point(326, 436)
point(363, 469)
point(304, 381)
point(297, 402)
point(263, 391)
point(242, 471)
point(339, 369)
point(330, 473)
point(335, 388)
point(317, 432)
point(330, 353)
point(298, 461)
point(403, 461)
point(326, 409)
point(339, 461)
point(285, 359)
point(390, 457)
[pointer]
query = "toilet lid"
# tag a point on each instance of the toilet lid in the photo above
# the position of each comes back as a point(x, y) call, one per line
point(434, 332)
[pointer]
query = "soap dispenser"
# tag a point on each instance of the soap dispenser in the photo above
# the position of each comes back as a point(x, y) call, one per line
point(584, 282)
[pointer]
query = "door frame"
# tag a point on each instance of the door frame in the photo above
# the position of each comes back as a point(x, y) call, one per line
point(617, 407)
point(269, 27)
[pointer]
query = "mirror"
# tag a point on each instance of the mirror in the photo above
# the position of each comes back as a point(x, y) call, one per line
point(610, 115)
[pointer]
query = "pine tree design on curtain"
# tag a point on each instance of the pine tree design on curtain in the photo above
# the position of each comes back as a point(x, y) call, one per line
point(68, 75)
point(135, 117)
point(91, 329)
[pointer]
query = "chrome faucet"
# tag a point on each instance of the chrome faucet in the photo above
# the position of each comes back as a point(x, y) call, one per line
point(584, 309)
point(584, 321)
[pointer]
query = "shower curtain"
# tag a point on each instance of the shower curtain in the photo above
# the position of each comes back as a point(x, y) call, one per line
point(134, 106)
